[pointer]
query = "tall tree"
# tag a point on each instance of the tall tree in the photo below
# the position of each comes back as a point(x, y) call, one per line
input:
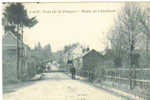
point(47, 52)
point(130, 31)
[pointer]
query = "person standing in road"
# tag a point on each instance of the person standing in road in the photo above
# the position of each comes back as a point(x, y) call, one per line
point(73, 71)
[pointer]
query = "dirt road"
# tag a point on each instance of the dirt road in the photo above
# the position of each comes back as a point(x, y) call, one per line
point(58, 86)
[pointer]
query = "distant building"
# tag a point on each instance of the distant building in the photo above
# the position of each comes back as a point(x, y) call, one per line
point(74, 54)
point(83, 60)
point(86, 61)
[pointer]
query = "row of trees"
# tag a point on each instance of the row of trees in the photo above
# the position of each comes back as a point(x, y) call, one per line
point(74, 45)
point(42, 54)
point(130, 36)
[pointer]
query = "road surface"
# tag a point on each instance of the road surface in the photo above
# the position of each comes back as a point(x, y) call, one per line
point(58, 86)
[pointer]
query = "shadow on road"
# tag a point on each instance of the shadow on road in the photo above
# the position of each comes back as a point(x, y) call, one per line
point(100, 87)
point(54, 77)
point(8, 88)
point(14, 87)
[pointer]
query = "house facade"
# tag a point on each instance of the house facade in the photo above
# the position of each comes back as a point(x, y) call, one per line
point(91, 61)
point(9, 54)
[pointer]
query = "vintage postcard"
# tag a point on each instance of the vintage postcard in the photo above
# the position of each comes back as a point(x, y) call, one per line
point(76, 50)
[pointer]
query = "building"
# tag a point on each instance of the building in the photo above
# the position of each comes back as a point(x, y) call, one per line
point(85, 61)
point(9, 54)
point(90, 61)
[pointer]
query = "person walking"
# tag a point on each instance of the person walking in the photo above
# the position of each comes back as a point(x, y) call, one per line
point(73, 71)
point(91, 74)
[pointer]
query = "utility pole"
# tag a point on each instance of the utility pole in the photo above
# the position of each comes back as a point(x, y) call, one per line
point(18, 54)
point(22, 53)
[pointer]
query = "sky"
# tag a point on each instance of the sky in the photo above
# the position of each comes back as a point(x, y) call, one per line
point(62, 24)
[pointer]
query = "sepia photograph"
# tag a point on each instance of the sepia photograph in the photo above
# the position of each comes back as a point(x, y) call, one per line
point(75, 50)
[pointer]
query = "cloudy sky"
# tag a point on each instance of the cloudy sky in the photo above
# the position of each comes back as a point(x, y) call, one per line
point(65, 23)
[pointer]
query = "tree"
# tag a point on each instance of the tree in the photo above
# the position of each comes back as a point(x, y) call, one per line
point(46, 51)
point(43, 55)
point(116, 45)
point(145, 21)
point(69, 47)
point(17, 17)
point(129, 30)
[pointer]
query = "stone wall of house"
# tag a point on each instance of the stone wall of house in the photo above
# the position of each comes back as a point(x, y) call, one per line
point(9, 67)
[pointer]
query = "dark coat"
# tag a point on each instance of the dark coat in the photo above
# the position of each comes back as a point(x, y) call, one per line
point(73, 70)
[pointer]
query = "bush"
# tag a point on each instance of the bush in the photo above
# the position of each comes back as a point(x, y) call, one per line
point(135, 59)
point(118, 62)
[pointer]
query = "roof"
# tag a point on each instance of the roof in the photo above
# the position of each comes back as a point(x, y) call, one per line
point(92, 51)
point(9, 39)
point(9, 33)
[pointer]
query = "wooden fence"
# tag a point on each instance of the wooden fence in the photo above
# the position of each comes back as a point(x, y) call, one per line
point(137, 80)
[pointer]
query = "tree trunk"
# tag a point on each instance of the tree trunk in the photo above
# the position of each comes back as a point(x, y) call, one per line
point(22, 42)
point(21, 54)
point(147, 48)
point(18, 54)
